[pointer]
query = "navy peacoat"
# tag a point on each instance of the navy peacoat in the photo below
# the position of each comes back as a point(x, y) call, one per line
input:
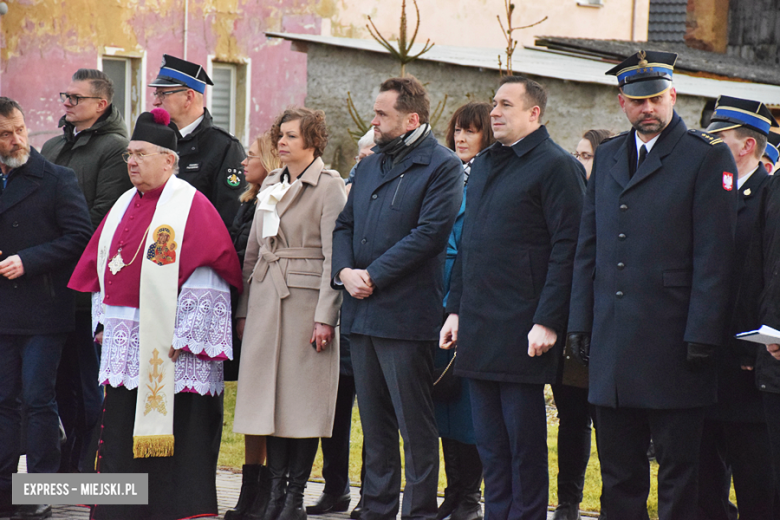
point(653, 268)
point(396, 225)
point(43, 219)
point(514, 265)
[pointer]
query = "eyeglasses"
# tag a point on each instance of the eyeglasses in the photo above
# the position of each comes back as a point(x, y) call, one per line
point(252, 156)
point(161, 94)
point(74, 99)
point(139, 157)
point(585, 156)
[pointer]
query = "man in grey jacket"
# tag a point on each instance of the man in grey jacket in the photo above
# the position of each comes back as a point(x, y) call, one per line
point(92, 142)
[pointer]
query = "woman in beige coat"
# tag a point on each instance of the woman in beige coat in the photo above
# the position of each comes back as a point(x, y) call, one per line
point(288, 377)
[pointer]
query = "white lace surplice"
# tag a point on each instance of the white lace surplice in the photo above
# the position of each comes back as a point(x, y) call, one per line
point(203, 333)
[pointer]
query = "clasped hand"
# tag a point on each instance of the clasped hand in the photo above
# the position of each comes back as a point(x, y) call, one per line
point(357, 282)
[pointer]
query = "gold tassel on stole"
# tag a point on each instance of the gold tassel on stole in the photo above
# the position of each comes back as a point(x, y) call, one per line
point(152, 446)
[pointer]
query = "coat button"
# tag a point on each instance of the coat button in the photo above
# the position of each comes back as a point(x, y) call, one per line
point(621, 265)
point(16, 285)
point(373, 196)
point(16, 223)
point(363, 241)
point(622, 236)
point(623, 207)
point(619, 294)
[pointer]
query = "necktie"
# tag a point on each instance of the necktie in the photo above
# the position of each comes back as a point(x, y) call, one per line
point(642, 155)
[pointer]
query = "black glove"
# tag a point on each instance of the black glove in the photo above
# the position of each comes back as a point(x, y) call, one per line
point(700, 356)
point(579, 345)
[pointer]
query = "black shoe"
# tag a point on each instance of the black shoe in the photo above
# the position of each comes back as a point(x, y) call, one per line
point(355, 514)
point(329, 503)
point(567, 511)
point(468, 508)
point(249, 487)
point(31, 512)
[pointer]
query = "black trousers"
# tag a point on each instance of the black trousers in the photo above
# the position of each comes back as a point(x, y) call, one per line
point(740, 449)
point(79, 395)
point(335, 450)
point(574, 438)
point(624, 436)
point(772, 414)
point(393, 379)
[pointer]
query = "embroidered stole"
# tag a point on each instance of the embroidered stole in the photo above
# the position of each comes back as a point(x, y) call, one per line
point(158, 298)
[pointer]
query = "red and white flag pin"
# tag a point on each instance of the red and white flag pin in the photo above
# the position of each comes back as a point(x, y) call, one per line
point(728, 181)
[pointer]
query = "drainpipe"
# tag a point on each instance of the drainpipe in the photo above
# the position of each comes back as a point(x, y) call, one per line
point(633, 20)
point(187, 23)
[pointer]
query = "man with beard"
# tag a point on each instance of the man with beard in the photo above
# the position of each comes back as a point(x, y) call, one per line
point(651, 291)
point(389, 247)
point(44, 226)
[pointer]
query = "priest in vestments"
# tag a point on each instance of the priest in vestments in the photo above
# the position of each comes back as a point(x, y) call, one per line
point(159, 267)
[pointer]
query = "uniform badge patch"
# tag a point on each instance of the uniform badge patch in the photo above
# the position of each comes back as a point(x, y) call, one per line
point(163, 251)
point(728, 181)
point(233, 180)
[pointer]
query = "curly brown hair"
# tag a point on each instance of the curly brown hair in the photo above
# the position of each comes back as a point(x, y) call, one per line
point(313, 128)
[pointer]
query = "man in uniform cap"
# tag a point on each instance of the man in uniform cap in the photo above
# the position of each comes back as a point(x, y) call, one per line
point(771, 154)
point(735, 439)
point(156, 262)
point(650, 296)
point(210, 156)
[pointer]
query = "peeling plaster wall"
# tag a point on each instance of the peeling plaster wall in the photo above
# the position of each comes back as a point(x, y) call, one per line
point(45, 41)
point(572, 108)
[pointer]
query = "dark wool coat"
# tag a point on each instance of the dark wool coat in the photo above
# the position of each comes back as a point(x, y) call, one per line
point(653, 267)
point(515, 262)
point(210, 159)
point(95, 154)
point(44, 220)
point(738, 397)
point(762, 263)
point(396, 225)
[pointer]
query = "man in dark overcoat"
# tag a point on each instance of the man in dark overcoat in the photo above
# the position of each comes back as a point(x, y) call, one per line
point(651, 292)
point(44, 226)
point(389, 247)
point(509, 294)
point(735, 440)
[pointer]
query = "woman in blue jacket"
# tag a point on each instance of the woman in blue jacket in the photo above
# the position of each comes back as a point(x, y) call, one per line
point(468, 134)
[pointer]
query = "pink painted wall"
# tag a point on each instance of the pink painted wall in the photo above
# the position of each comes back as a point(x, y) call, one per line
point(45, 41)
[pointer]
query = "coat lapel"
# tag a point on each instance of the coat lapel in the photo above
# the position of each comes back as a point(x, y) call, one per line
point(751, 187)
point(310, 176)
point(25, 182)
point(619, 170)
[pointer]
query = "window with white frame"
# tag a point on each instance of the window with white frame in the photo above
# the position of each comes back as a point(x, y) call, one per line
point(228, 99)
point(126, 74)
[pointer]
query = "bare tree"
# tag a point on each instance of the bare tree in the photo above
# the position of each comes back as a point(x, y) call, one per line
point(511, 43)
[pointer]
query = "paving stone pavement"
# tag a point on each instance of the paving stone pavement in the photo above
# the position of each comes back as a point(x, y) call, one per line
point(228, 488)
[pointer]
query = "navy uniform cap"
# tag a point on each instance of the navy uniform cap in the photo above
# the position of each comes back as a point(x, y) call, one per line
point(645, 74)
point(731, 112)
point(773, 139)
point(175, 72)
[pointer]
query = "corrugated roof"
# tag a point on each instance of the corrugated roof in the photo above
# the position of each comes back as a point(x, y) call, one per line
point(667, 20)
point(548, 64)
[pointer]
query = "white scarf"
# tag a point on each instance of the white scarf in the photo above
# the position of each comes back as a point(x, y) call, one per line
point(266, 202)
point(153, 430)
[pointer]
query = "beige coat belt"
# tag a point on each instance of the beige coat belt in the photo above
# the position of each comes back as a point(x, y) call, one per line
point(269, 260)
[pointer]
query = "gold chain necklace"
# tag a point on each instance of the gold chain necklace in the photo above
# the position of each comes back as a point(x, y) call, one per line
point(117, 263)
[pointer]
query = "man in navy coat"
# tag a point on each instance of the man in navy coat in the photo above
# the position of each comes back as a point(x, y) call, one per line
point(389, 246)
point(44, 226)
point(651, 292)
point(509, 296)
point(735, 440)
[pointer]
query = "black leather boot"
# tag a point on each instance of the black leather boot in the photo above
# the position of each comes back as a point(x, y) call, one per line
point(258, 506)
point(277, 450)
point(249, 486)
point(453, 491)
point(302, 453)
